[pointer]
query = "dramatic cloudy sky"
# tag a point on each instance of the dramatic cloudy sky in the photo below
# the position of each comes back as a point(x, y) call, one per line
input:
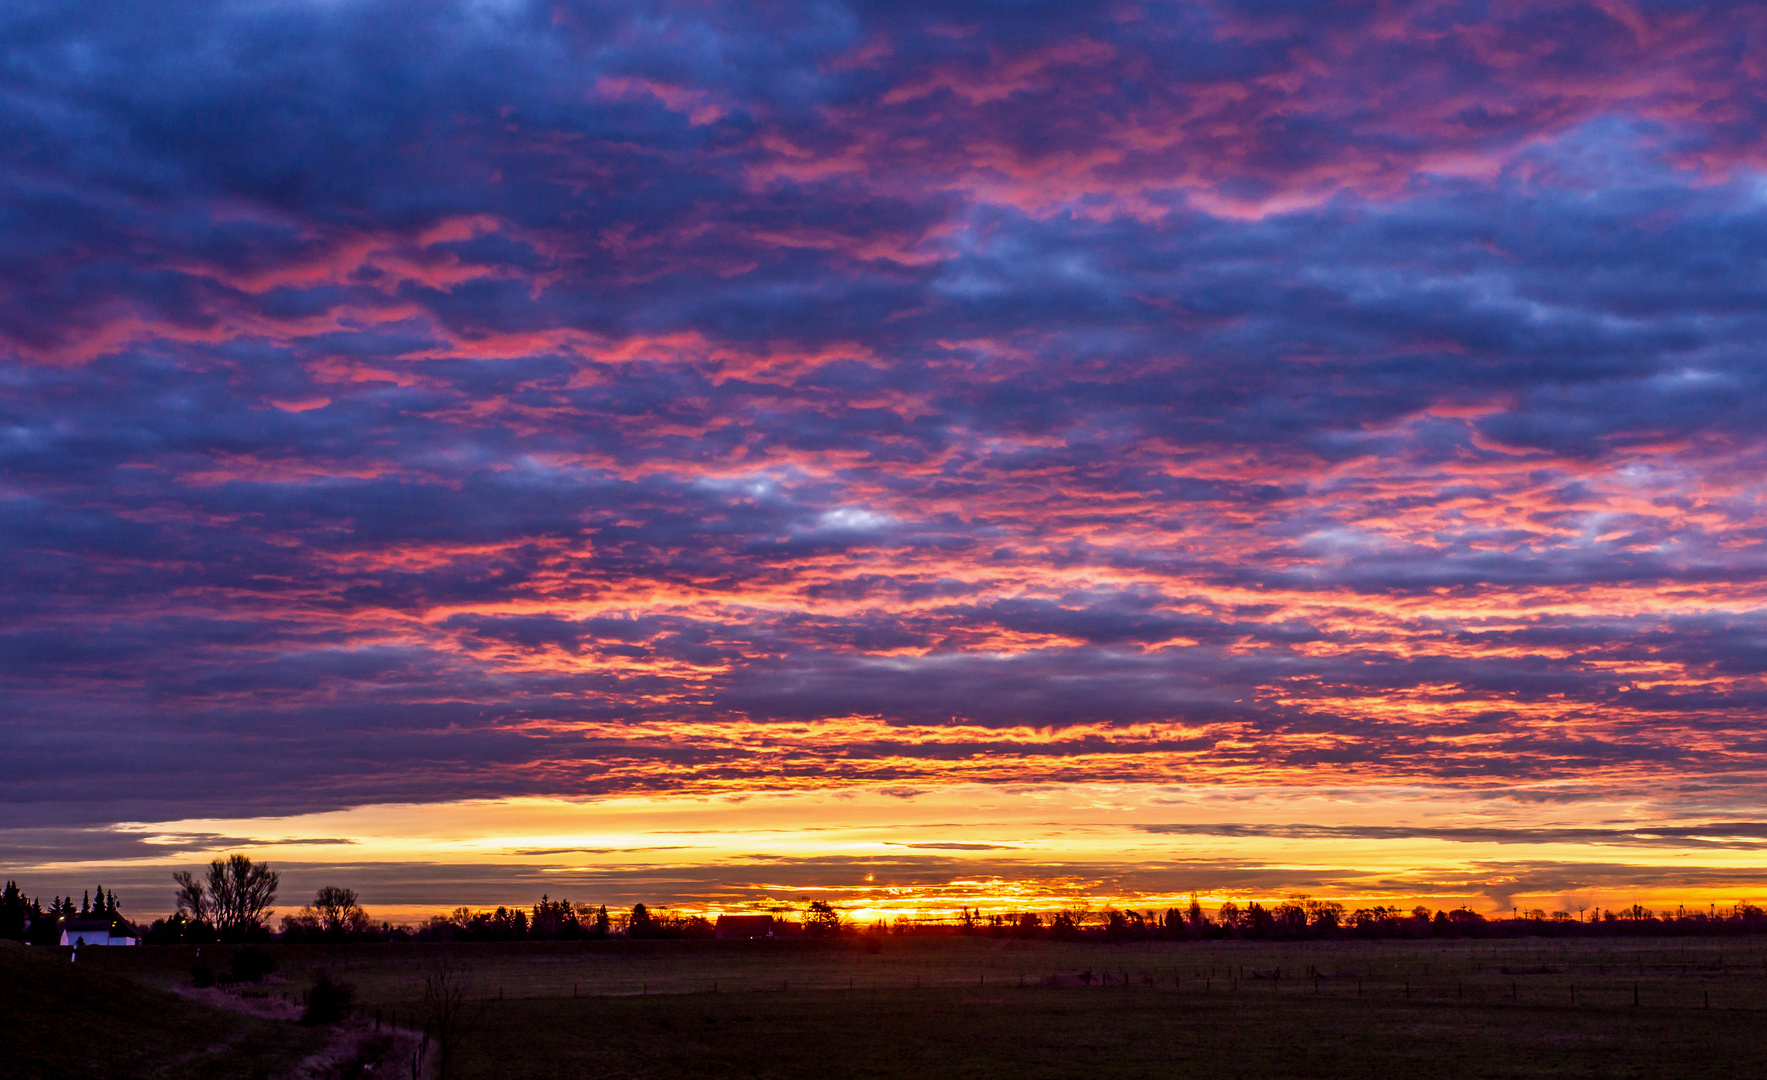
point(700, 452)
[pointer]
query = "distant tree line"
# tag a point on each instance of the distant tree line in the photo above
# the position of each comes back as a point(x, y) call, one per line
point(561, 920)
point(1302, 917)
point(231, 902)
point(25, 919)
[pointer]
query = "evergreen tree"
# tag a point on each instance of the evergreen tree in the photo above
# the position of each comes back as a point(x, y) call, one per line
point(42, 929)
point(85, 904)
point(639, 924)
point(15, 912)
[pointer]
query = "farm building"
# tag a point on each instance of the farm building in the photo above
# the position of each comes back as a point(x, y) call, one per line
point(745, 926)
point(78, 932)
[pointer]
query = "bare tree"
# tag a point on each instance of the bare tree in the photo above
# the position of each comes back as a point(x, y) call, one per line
point(334, 914)
point(338, 911)
point(451, 1011)
point(193, 897)
point(240, 893)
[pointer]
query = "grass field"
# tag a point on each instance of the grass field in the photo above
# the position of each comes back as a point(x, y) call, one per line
point(60, 1020)
point(985, 1008)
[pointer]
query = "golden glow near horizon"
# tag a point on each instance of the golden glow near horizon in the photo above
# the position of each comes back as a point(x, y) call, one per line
point(888, 852)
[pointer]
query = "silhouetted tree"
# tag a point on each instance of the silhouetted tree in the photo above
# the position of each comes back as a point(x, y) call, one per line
point(339, 912)
point(1259, 921)
point(1465, 921)
point(193, 897)
point(15, 912)
point(1291, 917)
point(334, 914)
point(235, 897)
point(822, 920)
point(451, 1011)
point(179, 929)
point(639, 924)
point(1325, 915)
point(1116, 924)
point(554, 919)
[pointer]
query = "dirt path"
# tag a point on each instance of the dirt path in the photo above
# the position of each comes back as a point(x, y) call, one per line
point(355, 1049)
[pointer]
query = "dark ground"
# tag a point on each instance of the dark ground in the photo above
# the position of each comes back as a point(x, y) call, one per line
point(61, 1020)
point(1067, 1032)
point(957, 1007)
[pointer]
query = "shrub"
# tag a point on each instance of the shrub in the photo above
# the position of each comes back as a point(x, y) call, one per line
point(202, 974)
point(329, 1001)
point(251, 965)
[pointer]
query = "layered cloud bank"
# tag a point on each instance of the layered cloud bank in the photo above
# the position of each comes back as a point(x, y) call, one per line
point(414, 403)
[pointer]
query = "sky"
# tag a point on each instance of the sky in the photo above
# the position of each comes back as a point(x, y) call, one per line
point(909, 454)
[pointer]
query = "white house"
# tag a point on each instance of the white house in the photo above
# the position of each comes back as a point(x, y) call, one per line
point(77, 932)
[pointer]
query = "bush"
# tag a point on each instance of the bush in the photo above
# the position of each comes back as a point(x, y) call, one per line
point(201, 974)
point(251, 965)
point(329, 1001)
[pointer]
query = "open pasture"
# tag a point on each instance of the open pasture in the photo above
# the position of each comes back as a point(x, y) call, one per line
point(988, 1007)
point(1660, 972)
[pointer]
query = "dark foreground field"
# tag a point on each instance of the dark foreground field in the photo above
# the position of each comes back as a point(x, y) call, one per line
point(986, 1008)
point(62, 1020)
